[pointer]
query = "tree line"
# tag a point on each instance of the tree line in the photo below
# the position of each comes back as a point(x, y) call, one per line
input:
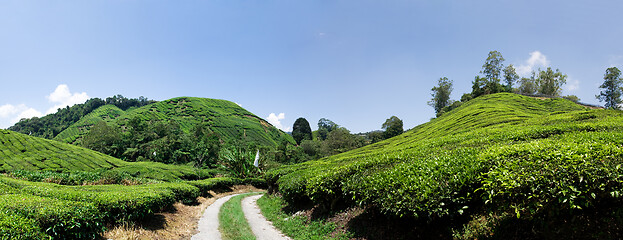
point(499, 78)
point(52, 124)
point(331, 138)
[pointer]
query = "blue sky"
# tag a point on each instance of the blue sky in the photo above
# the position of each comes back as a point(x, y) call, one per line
point(354, 62)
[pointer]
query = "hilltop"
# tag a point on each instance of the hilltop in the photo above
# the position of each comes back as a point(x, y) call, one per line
point(499, 166)
point(227, 119)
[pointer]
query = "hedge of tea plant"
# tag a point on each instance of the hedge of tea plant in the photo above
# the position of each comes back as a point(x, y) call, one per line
point(42, 209)
point(504, 151)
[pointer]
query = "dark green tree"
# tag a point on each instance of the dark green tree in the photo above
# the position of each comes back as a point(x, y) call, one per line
point(325, 126)
point(550, 82)
point(441, 94)
point(612, 88)
point(301, 130)
point(392, 127)
point(104, 139)
point(510, 77)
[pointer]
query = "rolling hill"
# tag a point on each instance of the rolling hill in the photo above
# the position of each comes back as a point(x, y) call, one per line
point(226, 118)
point(22, 152)
point(501, 165)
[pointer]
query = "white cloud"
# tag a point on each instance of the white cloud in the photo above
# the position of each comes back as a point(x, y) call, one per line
point(28, 113)
point(572, 85)
point(62, 97)
point(275, 120)
point(7, 110)
point(11, 114)
point(537, 59)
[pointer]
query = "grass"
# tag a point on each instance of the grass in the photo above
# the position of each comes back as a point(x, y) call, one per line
point(232, 223)
point(498, 153)
point(296, 227)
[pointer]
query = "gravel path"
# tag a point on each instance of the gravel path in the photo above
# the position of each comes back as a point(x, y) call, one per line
point(208, 224)
point(263, 229)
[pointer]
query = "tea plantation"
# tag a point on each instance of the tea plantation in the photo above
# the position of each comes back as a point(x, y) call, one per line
point(227, 119)
point(23, 152)
point(500, 156)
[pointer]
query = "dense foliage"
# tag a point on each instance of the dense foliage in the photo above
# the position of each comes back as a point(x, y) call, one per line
point(301, 130)
point(502, 152)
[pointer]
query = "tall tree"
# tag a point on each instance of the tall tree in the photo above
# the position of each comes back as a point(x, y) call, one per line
point(392, 127)
point(325, 126)
point(612, 88)
point(510, 77)
point(550, 82)
point(301, 130)
point(493, 66)
point(441, 94)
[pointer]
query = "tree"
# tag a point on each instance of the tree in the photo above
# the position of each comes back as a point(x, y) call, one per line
point(392, 127)
point(573, 98)
point(528, 85)
point(492, 71)
point(612, 89)
point(301, 130)
point(104, 139)
point(441, 94)
point(510, 77)
point(492, 67)
point(340, 140)
point(550, 82)
point(325, 126)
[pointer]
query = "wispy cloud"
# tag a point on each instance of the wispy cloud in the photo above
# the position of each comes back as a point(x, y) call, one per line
point(572, 85)
point(275, 120)
point(537, 59)
point(62, 97)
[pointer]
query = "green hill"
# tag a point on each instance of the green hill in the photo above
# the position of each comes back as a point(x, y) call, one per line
point(500, 160)
point(107, 113)
point(226, 118)
point(22, 152)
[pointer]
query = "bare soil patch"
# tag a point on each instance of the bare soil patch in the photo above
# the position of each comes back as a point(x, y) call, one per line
point(177, 223)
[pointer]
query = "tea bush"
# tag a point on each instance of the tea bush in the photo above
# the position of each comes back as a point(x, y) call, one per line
point(504, 151)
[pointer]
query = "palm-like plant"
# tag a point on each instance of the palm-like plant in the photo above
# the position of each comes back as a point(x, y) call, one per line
point(238, 161)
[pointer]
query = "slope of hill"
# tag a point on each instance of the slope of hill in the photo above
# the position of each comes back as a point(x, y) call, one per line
point(107, 113)
point(226, 118)
point(501, 155)
point(23, 152)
